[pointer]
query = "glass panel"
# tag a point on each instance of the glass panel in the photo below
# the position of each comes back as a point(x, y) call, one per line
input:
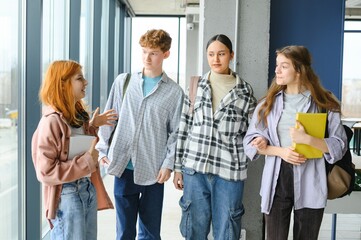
point(55, 46)
point(351, 79)
point(104, 54)
point(182, 53)
point(86, 45)
point(352, 25)
point(9, 85)
point(170, 24)
point(116, 40)
point(55, 31)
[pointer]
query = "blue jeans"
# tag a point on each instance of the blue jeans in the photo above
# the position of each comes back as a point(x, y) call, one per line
point(210, 199)
point(76, 216)
point(132, 199)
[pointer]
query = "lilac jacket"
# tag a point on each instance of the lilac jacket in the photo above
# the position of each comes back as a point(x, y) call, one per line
point(310, 186)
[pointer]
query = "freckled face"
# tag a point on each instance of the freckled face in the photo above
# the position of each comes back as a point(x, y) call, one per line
point(285, 71)
point(78, 84)
point(219, 57)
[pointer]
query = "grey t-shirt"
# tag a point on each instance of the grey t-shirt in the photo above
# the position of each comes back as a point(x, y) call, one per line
point(292, 103)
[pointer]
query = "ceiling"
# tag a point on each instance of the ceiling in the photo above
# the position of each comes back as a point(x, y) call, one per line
point(353, 3)
point(160, 7)
point(353, 9)
point(178, 7)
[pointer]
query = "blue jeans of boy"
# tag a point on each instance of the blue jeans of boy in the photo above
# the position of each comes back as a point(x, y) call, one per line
point(76, 216)
point(132, 200)
point(208, 199)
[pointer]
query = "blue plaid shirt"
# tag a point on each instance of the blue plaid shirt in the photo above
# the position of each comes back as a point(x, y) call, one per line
point(146, 128)
point(212, 142)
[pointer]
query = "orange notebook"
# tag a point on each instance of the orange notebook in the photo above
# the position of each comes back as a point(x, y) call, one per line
point(315, 125)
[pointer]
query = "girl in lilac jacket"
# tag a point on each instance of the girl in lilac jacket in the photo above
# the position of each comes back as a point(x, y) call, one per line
point(289, 180)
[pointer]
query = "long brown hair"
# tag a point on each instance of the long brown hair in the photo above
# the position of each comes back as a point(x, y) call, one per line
point(301, 60)
point(56, 91)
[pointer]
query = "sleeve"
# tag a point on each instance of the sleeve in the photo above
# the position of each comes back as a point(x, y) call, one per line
point(255, 129)
point(185, 125)
point(337, 139)
point(252, 103)
point(115, 100)
point(173, 127)
point(49, 150)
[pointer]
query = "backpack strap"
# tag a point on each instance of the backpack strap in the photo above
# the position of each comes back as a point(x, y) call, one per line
point(193, 84)
point(126, 83)
point(323, 110)
point(125, 86)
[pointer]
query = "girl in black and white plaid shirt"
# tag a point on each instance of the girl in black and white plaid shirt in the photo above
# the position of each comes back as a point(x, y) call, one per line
point(210, 163)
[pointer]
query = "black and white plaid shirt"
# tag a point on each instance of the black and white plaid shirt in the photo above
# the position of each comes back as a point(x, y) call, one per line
point(212, 142)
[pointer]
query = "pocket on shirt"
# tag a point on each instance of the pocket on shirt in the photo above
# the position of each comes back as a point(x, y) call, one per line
point(162, 113)
point(231, 123)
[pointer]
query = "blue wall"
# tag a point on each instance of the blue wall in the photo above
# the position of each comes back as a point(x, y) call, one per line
point(317, 25)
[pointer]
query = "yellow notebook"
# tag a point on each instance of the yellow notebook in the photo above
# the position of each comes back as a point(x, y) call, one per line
point(315, 125)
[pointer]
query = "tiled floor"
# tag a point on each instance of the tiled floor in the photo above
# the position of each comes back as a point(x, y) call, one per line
point(348, 225)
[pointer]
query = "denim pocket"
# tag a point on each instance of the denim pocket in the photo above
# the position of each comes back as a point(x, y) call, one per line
point(235, 225)
point(185, 223)
point(69, 188)
point(188, 171)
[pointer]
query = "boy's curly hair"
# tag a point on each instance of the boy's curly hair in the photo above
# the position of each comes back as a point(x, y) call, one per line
point(156, 38)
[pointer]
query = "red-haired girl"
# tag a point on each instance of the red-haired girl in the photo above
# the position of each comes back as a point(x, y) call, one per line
point(69, 196)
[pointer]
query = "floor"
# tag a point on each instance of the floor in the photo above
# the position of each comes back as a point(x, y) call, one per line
point(348, 225)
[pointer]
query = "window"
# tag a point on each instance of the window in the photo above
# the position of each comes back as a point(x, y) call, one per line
point(86, 46)
point(174, 66)
point(55, 31)
point(351, 79)
point(9, 85)
point(104, 54)
point(55, 46)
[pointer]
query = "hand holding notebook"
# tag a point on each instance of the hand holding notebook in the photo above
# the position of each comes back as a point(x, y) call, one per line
point(79, 144)
point(314, 125)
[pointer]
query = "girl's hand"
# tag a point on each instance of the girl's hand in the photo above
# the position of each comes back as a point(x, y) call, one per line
point(93, 152)
point(298, 134)
point(106, 118)
point(291, 156)
point(105, 161)
point(259, 143)
point(178, 180)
